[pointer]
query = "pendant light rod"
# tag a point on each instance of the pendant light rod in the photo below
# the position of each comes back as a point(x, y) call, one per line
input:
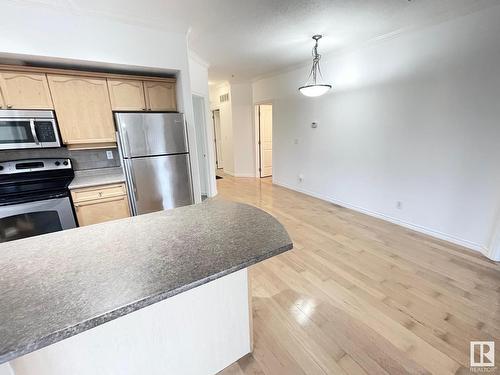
point(315, 89)
point(316, 58)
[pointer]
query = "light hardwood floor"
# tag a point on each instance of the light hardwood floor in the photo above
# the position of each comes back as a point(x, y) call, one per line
point(358, 295)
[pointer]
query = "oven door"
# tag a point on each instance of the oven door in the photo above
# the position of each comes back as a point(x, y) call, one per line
point(33, 218)
point(18, 133)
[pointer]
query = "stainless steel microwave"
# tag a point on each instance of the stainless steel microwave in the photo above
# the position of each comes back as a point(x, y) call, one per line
point(28, 129)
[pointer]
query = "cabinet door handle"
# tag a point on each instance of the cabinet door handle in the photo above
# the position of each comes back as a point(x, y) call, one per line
point(9, 105)
point(144, 109)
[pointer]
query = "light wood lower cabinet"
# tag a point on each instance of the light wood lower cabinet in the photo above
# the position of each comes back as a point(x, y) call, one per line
point(83, 111)
point(100, 203)
point(22, 90)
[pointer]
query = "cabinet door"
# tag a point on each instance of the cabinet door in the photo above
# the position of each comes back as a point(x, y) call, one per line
point(160, 96)
point(101, 210)
point(25, 90)
point(126, 95)
point(83, 110)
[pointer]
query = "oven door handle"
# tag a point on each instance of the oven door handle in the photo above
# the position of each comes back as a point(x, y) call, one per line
point(33, 131)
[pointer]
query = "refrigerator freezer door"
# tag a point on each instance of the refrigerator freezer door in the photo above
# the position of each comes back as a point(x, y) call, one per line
point(143, 134)
point(159, 182)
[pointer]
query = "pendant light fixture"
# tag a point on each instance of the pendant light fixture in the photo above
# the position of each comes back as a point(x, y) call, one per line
point(313, 87)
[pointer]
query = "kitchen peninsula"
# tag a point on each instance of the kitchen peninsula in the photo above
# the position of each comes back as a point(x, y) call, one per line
point(162, 293)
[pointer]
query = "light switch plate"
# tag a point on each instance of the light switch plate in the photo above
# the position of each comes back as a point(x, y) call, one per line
point(109, 154)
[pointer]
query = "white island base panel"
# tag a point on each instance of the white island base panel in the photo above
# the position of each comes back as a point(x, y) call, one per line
point(198, 332)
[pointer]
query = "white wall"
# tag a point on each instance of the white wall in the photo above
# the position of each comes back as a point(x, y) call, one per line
point(226, 124)
point(415, 119)
point(236, 127)
point(50, 35)
point(198, 72)
point(243, 130)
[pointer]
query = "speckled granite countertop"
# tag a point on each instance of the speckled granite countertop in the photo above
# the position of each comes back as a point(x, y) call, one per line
point(60, 284)
point(96, 177)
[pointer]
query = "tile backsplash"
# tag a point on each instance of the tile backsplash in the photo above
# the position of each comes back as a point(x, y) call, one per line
point(82, 159)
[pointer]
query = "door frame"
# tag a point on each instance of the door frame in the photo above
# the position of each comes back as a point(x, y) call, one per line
point(256, 124)
point(217, 141)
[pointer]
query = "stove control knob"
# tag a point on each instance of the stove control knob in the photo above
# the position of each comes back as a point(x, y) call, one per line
point(65, 162)
point(57, 163)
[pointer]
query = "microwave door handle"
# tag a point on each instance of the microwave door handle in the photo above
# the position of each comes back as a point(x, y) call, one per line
point(33, 131)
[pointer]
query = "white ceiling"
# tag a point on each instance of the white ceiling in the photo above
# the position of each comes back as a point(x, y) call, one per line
point(245, 39)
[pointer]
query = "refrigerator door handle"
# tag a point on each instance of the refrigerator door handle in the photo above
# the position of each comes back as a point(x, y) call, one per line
point(132, 181)
point(127, 141)
point(125, 169)
point(124, 141)
point(132, 188)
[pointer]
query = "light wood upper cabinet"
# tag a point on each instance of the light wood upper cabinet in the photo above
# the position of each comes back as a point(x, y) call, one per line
point(126, 95)
point(132, 95)
point(160, 96)
point(22, 90)
point(83, 110)
point(84, 101)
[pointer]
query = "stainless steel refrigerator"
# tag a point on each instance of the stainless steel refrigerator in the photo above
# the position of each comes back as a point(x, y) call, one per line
point(155, 155)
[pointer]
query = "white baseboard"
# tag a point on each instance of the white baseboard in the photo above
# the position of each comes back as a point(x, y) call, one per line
point(492, 253)
point(418, 228)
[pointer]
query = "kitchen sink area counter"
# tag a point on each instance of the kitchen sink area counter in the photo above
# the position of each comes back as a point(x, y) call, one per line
point(190, 263)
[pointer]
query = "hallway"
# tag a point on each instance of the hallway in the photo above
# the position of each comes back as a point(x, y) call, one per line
point(358, 295)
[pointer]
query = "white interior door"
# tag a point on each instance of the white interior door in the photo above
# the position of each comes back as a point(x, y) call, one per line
point(266, 140)
point(218, 140)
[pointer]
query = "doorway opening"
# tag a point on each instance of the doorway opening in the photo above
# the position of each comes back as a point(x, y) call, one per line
point(264, 116)
point(219, 163)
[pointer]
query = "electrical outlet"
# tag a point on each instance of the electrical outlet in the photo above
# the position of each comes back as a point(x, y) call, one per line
point(399, 205)
point(301, 177)
point(109, 154)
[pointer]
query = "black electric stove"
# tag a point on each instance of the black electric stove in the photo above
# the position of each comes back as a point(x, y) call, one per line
point(34, 197)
